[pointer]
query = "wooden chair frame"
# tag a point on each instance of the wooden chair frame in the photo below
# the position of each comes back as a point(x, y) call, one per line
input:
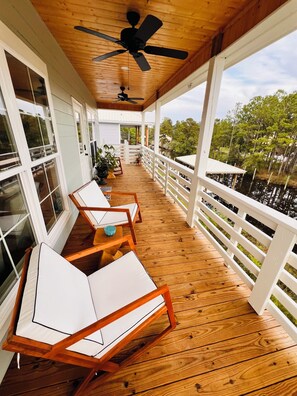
point(58, 351)
point(119, 169)
point(130, 223)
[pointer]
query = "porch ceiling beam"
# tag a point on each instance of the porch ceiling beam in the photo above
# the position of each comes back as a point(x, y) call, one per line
point(117, 106)
point(244, 22)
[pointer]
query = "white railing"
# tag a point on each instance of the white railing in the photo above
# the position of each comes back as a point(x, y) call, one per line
point(174, 178)
point(128, 153)
point(255, 240)
point(119, 150)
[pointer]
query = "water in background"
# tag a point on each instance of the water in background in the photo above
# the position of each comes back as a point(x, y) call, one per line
point(272, 195)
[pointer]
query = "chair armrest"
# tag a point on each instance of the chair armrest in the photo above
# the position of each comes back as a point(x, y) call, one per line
point(98, 248)
point(133, 194)
point(111, 209)
point(72, 339)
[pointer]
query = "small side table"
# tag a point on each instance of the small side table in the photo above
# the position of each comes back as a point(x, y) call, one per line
point(112, 253)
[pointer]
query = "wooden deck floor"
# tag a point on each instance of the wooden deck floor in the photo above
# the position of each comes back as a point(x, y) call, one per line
point(220, 346)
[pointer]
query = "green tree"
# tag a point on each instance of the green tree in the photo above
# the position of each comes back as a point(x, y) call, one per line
point(185, 138)
point(166, 131)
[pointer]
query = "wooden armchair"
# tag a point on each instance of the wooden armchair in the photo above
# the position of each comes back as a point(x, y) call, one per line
point(63, 315)
point(96, 210)
point(118, 170)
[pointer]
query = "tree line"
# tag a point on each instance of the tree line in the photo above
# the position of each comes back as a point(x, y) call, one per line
point(259, 135)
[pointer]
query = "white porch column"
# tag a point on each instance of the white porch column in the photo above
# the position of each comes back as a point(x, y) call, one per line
point(157, 126)
point(142, 128)
point(214, 78)
point(157, 133)
point(126, 152)
point(276, 258)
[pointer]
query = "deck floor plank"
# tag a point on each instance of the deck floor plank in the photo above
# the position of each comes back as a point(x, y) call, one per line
point(220, 346)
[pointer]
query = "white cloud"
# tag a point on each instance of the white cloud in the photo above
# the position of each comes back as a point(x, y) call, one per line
point(186, 106)
point(262, 74)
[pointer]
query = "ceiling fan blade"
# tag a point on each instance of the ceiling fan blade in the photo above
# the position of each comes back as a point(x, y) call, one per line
point(98, 34)
point(171, 53)
point(148, 27)
point(108, 55)
point(137, 98)
point(131, 101)
point(141, 61)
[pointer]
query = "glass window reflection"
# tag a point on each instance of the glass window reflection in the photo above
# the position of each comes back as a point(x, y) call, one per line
point(16, 232)
point(32, 101)
point(8, 277)
point(78, 130)
point(8, 152)
point(49, 192)
point(12, 204)
point(40, 180)
point(48, 213)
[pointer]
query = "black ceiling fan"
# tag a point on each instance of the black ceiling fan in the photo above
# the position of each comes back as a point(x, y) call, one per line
point(123, 97)
point(134, 40)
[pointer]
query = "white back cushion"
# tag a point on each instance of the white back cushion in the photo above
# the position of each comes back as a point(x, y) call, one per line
point(56, 302)
point(116, 285)
point(91, 195)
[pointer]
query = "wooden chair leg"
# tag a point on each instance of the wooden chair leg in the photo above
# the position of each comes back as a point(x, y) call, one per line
point(139, 218)
point(91, 385)
point(133, 234)
point(83, 385)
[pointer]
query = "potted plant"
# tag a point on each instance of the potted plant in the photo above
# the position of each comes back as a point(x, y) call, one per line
point(105, 163)
point(109, 155)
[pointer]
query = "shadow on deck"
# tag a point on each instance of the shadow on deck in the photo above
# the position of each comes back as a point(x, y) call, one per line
point(220, 346)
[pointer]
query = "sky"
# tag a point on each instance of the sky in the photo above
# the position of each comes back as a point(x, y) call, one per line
point(272, 68)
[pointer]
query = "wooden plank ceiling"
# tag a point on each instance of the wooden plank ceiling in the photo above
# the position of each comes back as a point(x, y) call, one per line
point(188, 25)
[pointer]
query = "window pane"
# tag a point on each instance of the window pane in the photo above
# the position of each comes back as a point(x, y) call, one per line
point(7, 275)
point(49, 192)
point(51, 174)
point(58, 202)
point(78, 130)
point(91, 125)
point(33, 106)
point(19, 240)
point(12, 204)
point(8, 152)
point(16, 233)
point(40, 182)
point(39, 90)
point(48, 213)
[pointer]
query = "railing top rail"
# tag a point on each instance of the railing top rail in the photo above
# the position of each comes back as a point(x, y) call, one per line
point(241, 200)
point(184, 169)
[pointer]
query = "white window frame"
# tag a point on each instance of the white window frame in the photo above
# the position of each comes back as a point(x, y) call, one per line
point(10, 43)
point(94, 115)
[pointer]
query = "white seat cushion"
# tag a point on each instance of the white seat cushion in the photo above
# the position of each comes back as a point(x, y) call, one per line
point(115, 286)
point(117, 218)
point(57, 302)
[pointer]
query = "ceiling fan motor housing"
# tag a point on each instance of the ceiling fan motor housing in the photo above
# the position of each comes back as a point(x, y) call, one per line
point(130, 42)
point(122, 95)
